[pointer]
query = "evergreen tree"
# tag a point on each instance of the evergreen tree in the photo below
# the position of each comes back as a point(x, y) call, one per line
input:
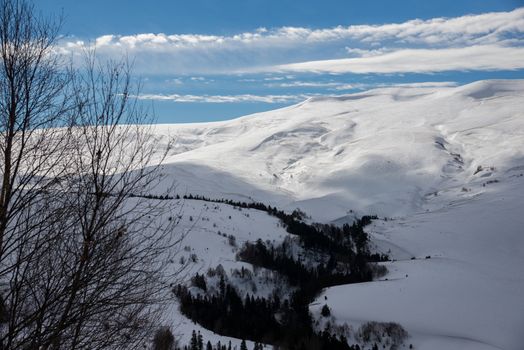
point(200, 341)
point(326, 312)
point(222, 285)
point(193, 344)
point(243, 345)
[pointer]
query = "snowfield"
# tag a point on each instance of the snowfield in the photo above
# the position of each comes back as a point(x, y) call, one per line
point(445, 167)
point(469, 294)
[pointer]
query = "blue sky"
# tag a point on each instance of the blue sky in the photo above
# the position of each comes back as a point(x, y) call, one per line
point(204, 60)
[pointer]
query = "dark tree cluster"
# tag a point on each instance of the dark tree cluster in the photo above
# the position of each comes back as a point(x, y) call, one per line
point(298, 273)
point(199, 281)
point(377, 257)
point(288, 323)
point(256, 318)
point(229, 314)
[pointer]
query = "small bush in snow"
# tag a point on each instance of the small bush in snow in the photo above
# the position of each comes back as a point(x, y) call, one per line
point(378, 270)
point(199, 281)
point(242, 273)
point(382, 331)
point(325, 312)
point(218, 271)
point(232, 240)
point(164, 339)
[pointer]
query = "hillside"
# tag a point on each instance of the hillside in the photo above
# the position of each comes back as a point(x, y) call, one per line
point(443, 165)
point(381, 151)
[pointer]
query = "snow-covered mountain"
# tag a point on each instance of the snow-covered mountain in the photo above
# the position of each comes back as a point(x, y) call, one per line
point(383, 151)
point(444, 166)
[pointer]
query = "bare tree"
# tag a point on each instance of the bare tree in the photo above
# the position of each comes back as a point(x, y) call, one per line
point(32, 104)
point(123, 240)
point(85, 254)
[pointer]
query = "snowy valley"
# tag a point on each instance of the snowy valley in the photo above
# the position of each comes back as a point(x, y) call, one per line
point(442, 169)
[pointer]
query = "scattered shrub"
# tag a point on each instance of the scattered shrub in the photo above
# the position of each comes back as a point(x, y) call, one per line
point(377, 331)
point(199, 281)
point(378, 271)
point(325, 312)
point(163, 339)
point(232, 240)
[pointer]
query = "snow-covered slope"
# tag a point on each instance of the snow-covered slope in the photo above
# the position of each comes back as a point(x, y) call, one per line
point(444, 165)
point(214, 233)
point(469, 294)
point(382, 151)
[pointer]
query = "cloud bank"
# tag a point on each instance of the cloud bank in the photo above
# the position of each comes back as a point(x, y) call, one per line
point(288, 98)
point(490, 41)
point(482, 57)
point(225, 98)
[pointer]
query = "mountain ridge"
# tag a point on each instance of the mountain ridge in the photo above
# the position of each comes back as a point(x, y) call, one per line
point(360, 147)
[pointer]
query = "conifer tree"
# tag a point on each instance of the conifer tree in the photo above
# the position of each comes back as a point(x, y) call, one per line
point(200, 341)
point(194, 341)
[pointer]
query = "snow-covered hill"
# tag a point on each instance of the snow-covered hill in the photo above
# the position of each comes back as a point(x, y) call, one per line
point(382, 151)
point(444, 165)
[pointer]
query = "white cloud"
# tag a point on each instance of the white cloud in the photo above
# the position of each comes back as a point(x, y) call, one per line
point(176, 81)
point(101, 41)
point(197, 54)
point(364, 53)
point(315, 84)
point(343, 87)
point(426, 84)
point(225, 98)
point(291, 98)
point(274, 78)
point(482, 57)
point(470, 29)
